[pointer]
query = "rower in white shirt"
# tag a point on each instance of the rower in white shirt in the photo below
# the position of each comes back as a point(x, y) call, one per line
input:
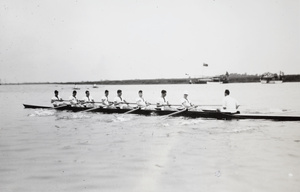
point(185, 102)
point(229, 104)
point(88, 100)
point(140, 101)
point(56, 100)
point(104, 100)
point(119, 101)
point(73, 100)
point(163, 103)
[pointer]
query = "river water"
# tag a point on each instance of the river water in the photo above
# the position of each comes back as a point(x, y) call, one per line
point(47, 150)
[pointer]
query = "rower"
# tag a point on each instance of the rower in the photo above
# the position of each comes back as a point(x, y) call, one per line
point(163, 103)
point(56, 100)
point(73, 99)
point(104, 99)
point(140, 101)
point(229, 104)
point(185, 102)
point(88, 100)
point(119, 101)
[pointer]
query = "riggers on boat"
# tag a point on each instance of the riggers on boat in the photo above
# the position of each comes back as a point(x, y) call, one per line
point(213, 114)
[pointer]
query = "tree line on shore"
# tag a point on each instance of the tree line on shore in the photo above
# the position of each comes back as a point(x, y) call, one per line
point(244, 78)
point(233, 78)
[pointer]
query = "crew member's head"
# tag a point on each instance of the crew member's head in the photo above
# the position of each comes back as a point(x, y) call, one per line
point(56, 93)
point(87, 93)
point(185, 94)
point(163, 93)
point(106, 92)
point(74, 93)
point(227, 92)
point(140, 93)
point(119, 92)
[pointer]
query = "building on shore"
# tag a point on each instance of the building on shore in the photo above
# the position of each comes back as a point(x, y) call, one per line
point(272, 78)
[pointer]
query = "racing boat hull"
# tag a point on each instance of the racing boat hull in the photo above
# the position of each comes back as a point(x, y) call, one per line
point(190, 114)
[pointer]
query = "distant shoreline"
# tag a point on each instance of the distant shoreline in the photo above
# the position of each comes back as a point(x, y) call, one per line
point(234, 78)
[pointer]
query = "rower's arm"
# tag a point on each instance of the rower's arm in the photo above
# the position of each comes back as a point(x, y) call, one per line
point(224, 104)
point(183, 103)
point(162, 105)
point(55, 100)
point(237, 104)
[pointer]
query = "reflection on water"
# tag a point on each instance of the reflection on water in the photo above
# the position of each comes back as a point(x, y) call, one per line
point(46, 150)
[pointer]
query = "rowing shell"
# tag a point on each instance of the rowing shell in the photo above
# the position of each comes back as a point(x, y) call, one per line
point(191, 114)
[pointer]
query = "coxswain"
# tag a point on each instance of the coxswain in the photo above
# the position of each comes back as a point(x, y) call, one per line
point(56, 100)
point(104, 99)
point(140, 101)
point(73, 100)
point(163, 103)
point(119, 101)
point(88, 100)
point(229, 104)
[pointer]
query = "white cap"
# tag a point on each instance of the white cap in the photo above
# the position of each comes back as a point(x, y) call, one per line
point(185, 92)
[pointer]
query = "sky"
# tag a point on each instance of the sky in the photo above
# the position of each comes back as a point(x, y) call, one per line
point(85, 40)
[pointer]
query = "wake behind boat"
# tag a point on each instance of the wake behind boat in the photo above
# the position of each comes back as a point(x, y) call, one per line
point(210, 114)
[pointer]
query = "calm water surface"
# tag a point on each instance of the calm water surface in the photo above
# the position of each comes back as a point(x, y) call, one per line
point(47, 150)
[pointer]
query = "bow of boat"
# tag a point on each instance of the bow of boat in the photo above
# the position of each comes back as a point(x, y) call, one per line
point(36, 106)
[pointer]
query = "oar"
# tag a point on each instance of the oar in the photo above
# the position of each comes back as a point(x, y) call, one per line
point(94, 108)
point(178, 105)
point(87, 110)
point(64, 105)
point(208, 105)
point(82, 101)
point(60, 100)
point(132, 110)
point(129, 103)
point(177, 112)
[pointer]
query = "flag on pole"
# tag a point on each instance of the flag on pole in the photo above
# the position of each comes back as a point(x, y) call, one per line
point(205, 65)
